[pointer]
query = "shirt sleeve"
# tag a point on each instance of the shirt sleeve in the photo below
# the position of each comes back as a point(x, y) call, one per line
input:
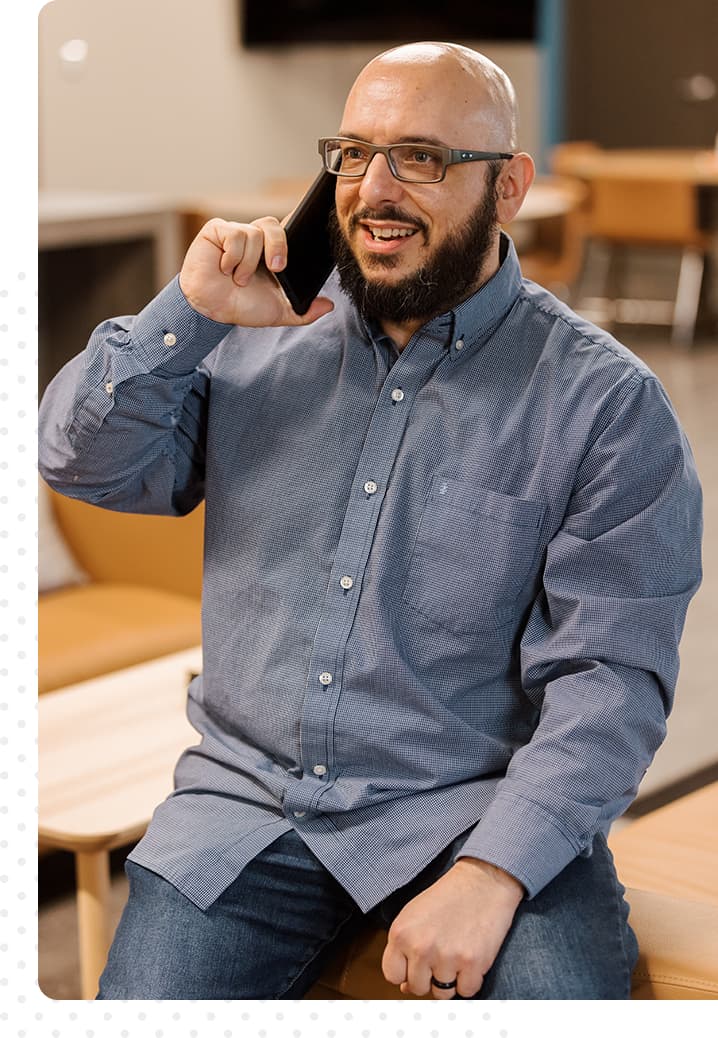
point(123, 424)
point(599, 654)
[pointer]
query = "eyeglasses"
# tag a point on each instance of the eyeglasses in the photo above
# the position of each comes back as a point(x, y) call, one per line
point(415, 163)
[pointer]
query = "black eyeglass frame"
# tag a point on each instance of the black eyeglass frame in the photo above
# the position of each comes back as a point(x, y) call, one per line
point(449, 156)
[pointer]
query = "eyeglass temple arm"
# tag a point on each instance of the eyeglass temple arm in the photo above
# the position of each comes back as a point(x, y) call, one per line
point(462, 155)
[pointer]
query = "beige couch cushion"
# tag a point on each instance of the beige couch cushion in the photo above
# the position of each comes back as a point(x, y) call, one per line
point(673, 850)
point(95, 628)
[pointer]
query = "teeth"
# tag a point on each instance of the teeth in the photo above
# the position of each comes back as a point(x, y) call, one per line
point(384, 233)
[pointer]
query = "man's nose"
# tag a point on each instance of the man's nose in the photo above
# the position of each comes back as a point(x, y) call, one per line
point(378, 183)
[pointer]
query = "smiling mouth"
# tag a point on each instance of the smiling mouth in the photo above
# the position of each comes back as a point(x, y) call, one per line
point(387, 233)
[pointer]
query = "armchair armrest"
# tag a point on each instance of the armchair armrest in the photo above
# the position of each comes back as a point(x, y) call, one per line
point(678, 942)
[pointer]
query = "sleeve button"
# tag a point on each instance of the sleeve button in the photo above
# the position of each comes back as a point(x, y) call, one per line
point(170, 339)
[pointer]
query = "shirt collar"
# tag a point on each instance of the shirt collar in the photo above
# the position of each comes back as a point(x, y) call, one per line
point(470, 323)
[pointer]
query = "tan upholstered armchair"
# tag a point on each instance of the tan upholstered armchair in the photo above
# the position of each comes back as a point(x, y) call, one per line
point(668, 861)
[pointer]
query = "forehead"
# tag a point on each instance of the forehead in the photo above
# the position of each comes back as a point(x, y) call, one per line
point(417, 102)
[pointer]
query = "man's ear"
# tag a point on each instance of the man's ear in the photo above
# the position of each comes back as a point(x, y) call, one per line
point(513, 182)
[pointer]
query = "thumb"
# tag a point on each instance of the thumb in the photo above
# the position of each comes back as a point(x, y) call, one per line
point(393, 964)
point(319, 308)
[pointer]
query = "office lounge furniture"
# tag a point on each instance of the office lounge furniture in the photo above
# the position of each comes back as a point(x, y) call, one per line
point(625, 213)
point(107, 749)
point(648, 199)
point(138, 598)
point(551, 245)
point(100, 253)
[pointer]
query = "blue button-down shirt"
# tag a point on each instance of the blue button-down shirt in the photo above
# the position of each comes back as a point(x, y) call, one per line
point(443, 589)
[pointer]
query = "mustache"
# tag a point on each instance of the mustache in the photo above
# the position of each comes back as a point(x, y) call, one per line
point(387, 212)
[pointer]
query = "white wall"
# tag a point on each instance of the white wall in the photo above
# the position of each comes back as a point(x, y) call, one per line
point(167, 99)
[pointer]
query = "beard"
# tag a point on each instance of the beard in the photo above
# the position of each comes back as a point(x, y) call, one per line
point(449, 275)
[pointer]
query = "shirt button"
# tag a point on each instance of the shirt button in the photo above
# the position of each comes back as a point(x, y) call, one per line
point(459, 344)
point(319, 769)
point(299, 814)
point(397, 394)
point(170, 339)
point(370, 486)
point(325, 678)
point(346, 583)
point(108, 387)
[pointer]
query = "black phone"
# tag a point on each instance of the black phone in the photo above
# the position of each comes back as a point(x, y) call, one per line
point(309, 256)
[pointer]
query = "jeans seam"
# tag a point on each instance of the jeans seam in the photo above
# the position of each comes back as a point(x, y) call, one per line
point(618, 898)
point(323, 944)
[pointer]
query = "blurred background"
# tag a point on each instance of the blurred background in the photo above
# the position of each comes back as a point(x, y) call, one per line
point(155, 116)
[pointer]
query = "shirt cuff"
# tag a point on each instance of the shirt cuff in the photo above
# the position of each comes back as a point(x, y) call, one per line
point(173, 337)
point(523, 839)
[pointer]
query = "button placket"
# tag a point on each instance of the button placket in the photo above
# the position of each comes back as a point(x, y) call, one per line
point(382, 442)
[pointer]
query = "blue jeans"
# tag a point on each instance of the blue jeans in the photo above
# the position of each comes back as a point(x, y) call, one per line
point(272, 932)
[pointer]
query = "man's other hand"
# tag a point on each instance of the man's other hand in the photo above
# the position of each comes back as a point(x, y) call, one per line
point(223, 276)
point(453, 930)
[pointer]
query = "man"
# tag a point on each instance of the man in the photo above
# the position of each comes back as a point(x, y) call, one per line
point(452, 531)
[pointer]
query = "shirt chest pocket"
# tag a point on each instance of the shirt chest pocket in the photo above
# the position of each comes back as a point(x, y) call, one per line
point(473, 554)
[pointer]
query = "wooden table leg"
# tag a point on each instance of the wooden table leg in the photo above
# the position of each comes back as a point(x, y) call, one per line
point(92, 869)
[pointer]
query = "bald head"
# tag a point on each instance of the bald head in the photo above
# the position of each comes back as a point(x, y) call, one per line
point(479, 93)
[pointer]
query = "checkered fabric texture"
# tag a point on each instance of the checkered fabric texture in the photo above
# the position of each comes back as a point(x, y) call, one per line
point(443, 589)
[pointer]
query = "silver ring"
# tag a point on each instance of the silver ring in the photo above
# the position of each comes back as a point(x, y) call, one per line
point(444, 985)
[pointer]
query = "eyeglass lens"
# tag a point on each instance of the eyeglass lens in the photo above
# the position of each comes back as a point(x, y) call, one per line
point(410, 161)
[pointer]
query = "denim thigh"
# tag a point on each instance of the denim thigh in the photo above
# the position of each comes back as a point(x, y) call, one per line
point(571, 941)
point(268, 936)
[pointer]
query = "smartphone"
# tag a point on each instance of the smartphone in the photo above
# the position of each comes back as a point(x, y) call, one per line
point(309, 257)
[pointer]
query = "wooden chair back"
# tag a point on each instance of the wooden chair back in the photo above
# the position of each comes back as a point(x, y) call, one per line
point(638, 211)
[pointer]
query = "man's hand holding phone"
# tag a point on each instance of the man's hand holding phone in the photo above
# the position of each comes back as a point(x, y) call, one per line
point(223, 276)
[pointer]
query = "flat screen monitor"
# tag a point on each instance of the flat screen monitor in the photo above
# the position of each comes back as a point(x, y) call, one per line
point(266, 24)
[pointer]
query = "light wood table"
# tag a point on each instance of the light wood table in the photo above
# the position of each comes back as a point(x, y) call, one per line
point(107, 750)
point(689, 165)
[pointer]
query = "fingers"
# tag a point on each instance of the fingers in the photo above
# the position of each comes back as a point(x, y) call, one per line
point(469, 982)
point(413, 972)
point(418, 977)
point(275, 242)
point(244, 245)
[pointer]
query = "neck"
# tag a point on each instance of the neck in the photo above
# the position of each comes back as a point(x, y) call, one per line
point(401, 333)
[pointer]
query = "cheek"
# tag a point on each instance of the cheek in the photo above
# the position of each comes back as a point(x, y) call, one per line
point(346, 200)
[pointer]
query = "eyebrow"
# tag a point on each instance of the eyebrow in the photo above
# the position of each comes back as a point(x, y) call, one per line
point(401, 140)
